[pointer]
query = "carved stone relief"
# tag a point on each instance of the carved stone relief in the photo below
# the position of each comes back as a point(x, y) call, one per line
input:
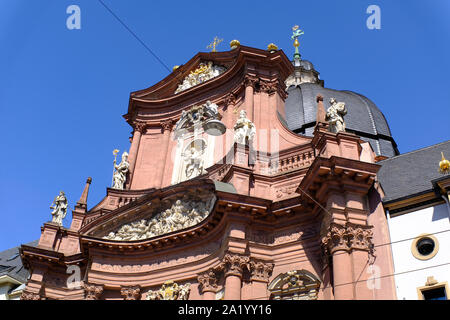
point(182, 214)
point(170, 291)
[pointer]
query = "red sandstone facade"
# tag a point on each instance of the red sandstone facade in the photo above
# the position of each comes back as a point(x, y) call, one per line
point(305, 219)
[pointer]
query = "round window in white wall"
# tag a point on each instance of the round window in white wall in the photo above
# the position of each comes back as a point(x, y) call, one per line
point(425, 247)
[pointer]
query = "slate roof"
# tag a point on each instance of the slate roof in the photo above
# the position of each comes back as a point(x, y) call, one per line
point(11, 263)
point(411, 173)
point(363, 116)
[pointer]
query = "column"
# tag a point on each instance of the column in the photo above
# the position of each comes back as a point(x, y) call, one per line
point(335, 244)
point(260, 274)
point(360, 242)
point(233, 267)
point(208, 284)
point(167, 163)
point(139, 129)
point(250, 82)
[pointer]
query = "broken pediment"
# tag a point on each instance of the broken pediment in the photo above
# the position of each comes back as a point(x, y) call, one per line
point(172, 215)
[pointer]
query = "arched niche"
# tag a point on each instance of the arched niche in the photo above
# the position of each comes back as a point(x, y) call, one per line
point(294, 285)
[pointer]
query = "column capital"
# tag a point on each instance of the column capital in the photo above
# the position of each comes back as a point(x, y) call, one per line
point(347, 237)
point(233, 264)
point(140, 126)
point(167, 125)
point(93, 291)
point(260, 271)
point(359, 236)
point(250, 81)
point(208, 281)
point(269, 87)
point(130, 292)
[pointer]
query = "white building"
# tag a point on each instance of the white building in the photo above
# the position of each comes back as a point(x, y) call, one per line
point(417, 205)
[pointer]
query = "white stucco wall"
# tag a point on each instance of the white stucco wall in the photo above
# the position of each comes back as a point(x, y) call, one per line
point(410, 225)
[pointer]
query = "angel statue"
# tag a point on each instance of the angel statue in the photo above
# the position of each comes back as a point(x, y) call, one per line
point(59, 209)
point(335, 116)
point(120, 172)
point(244, 129)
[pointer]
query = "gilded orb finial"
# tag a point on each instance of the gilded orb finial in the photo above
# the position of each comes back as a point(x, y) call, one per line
point(444, 165)
point(213, 44)
point(175, 68)
point(272, 47)
point(234, 44)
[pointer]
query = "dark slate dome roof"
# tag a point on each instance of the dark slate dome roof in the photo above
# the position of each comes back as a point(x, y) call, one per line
point(363, 116)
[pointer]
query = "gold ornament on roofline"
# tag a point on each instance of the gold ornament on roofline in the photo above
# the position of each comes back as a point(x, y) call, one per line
point(175, 68)
point(234, 44)
point(444, 165)
point(272, 47)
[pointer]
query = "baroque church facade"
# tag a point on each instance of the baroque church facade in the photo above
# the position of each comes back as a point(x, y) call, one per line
point(246, 179)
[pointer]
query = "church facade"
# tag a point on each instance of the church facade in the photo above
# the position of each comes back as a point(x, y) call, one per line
point(245, 179)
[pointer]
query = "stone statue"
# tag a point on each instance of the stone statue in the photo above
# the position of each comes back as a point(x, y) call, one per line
point(212, 109)
point(194, 163)
point(120, 172)
point(60, 209)
point(244, 129)
point(335, 116)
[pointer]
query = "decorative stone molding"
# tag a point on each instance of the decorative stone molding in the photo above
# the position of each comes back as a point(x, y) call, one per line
point(295, 285)
point(131, 292)
point(347, 237)
point(170, 291)
point(26, 295)
point(93, 291)
point(260, 271)
point(208, 281)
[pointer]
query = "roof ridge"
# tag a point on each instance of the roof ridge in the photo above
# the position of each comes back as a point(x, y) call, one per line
point(417, 150)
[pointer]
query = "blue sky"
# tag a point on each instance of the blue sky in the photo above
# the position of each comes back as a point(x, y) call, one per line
point(63, 92)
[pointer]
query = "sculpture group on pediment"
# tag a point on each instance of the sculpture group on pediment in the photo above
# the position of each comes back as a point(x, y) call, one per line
point(170, 291)
point(181, 215)
point(204, 72)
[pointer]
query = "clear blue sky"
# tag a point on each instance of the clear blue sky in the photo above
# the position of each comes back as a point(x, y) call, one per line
point(63, 92)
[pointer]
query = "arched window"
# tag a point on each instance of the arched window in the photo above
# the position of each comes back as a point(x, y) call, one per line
point(294, 285)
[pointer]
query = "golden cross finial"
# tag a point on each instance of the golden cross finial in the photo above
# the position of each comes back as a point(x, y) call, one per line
point(213, 44)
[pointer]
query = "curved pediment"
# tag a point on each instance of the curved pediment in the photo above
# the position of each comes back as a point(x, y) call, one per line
point(174, 215)
point(158, 213)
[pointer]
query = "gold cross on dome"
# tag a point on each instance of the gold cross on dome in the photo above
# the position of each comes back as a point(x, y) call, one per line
point(213, 44)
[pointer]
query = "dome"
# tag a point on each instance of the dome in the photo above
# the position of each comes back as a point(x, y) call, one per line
point(363, 116)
